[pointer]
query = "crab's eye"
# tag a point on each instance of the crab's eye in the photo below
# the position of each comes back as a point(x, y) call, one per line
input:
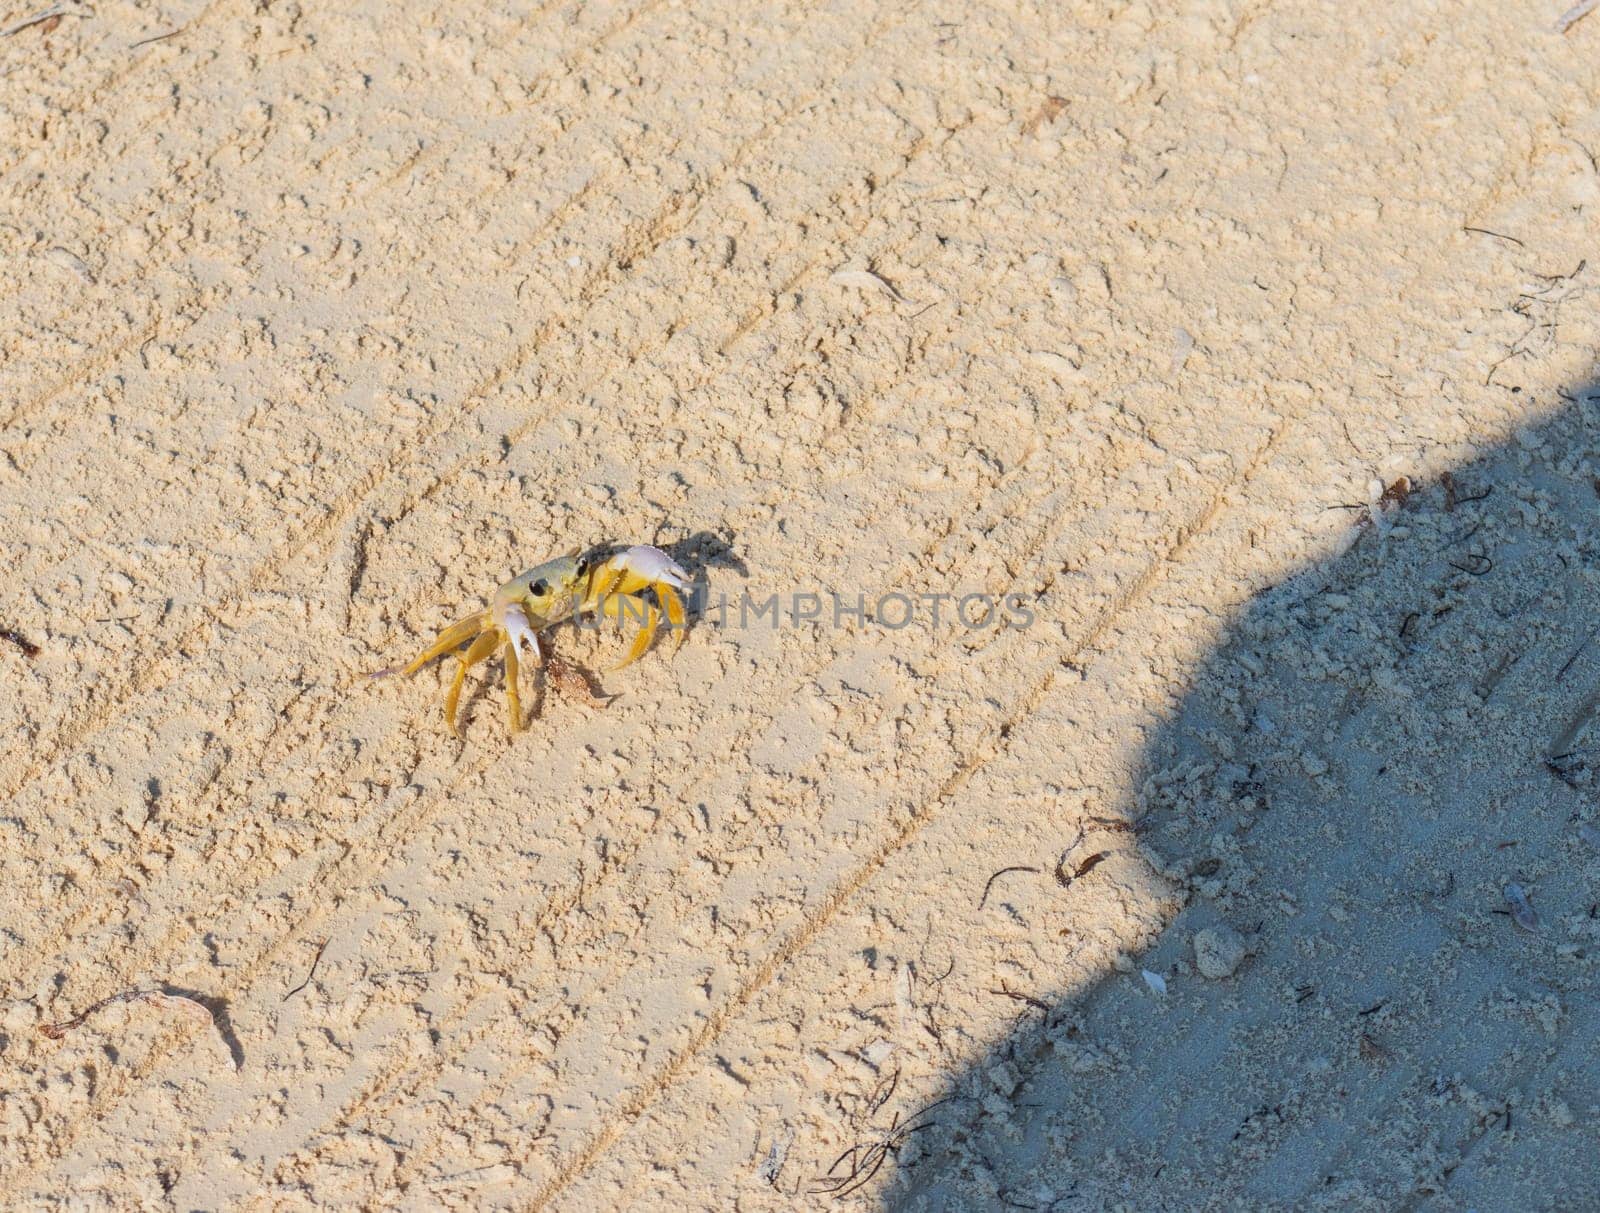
point(583, 565)
point(540, 588)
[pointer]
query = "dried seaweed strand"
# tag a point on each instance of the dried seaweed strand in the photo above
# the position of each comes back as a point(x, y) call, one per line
point(990, 884)
point(181, 1003)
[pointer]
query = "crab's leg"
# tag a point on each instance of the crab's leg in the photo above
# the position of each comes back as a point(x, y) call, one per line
point(453, 636)
point(673, 605)
point(513, 698)
point(622, 606)
point(481, 648)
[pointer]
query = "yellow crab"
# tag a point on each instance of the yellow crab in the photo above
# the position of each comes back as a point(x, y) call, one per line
point(600, 583)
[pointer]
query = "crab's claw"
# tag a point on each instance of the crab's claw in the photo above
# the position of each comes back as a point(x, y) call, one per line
point(615, 587)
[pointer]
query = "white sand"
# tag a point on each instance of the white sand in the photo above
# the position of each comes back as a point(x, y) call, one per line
point(318, 322)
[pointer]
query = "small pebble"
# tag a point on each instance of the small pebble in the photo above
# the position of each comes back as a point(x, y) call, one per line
point(1218, 952)
point(1522, 912)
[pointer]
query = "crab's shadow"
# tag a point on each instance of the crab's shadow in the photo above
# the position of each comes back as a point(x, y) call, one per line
point(699, 553)
point(218, 1006)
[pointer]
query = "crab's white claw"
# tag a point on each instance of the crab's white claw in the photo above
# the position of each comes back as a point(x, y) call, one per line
point(627, 574)
point(649, 565)
point(515, 622)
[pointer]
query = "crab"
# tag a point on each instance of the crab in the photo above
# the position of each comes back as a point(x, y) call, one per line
point(602, 583)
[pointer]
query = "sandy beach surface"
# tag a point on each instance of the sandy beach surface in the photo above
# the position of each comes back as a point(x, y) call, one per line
point(1253, 864)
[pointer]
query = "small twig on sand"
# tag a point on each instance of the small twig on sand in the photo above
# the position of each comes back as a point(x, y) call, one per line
point(1483, 231)
point(315, 960)
point(1576, 653)
point(1006, 991)
point(171, 33)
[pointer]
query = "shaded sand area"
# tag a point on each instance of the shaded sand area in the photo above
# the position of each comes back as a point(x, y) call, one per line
point(319, 322)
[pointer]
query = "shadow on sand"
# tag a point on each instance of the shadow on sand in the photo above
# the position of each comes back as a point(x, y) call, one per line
point(1382, 746)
